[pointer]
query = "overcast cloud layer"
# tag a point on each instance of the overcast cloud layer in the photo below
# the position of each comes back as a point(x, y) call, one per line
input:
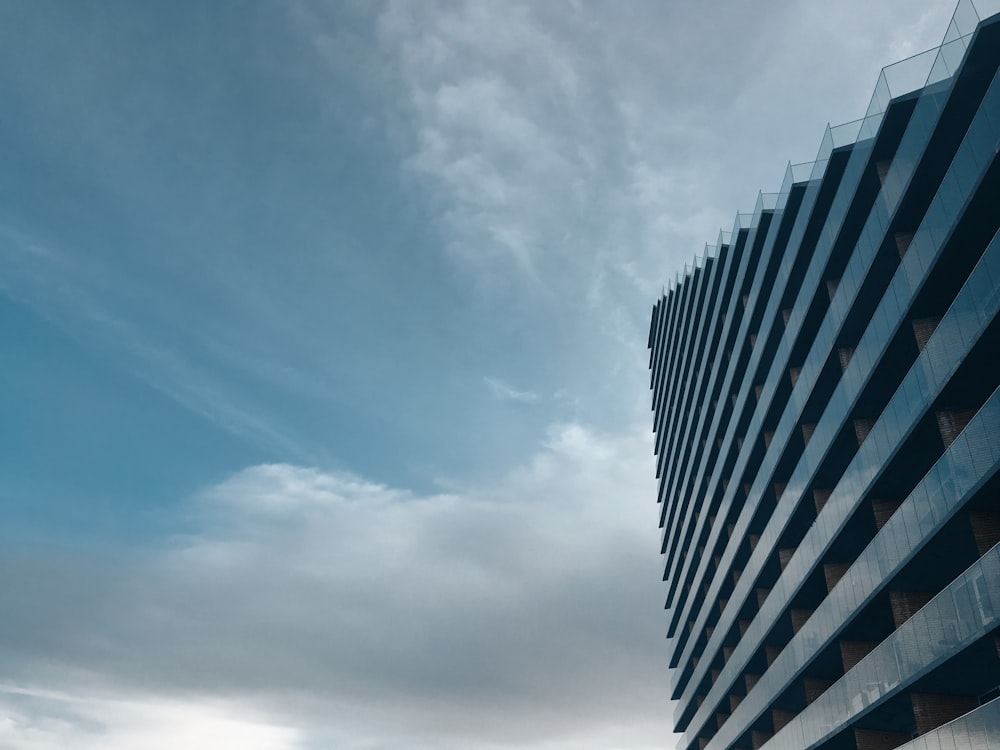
point(324, 402)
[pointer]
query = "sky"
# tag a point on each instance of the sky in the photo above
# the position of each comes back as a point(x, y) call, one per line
point(324, 413)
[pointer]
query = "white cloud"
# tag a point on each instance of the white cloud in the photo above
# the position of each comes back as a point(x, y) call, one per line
point(523, 614)
point(582, 157)
point(46, 720)
point(564, 143)
point(506, 392)
point(577, 155)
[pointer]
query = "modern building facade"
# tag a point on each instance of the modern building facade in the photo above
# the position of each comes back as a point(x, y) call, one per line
point(826, 392)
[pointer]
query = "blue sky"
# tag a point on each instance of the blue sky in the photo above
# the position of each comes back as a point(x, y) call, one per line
point(323, 405)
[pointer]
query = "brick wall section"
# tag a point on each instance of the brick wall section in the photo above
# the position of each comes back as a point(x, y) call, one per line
point(820, 497)
point(931, 710)
point(876, 739)
point(851, 652)
point(815, 687)
point(883, 510)
point(844, 354)
point(951, 422)
point(923, 329)
point(903, 240)
point(985, 529)
point(861, 429)
point(785, 556)
point(905, 604)
point(799, 617)
point(833, 572)
point(781, 718)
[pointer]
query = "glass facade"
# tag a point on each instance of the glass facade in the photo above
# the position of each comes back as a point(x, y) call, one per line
point(826, 398)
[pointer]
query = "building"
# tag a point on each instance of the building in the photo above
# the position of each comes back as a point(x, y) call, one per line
point(827, 432)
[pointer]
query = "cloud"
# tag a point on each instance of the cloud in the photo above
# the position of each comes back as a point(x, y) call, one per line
point(524, 614)
point(506, 392)
point(574, 156)
point(567, 144)
point(577, 157)
point(45, 720)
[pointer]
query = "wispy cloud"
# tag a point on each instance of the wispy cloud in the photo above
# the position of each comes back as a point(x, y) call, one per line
point(580, 155)
point(517, 614)
point(506, 392)
point(79, 298)
point(572, 156)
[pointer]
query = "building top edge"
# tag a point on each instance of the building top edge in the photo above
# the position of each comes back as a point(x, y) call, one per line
point(898, 80)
